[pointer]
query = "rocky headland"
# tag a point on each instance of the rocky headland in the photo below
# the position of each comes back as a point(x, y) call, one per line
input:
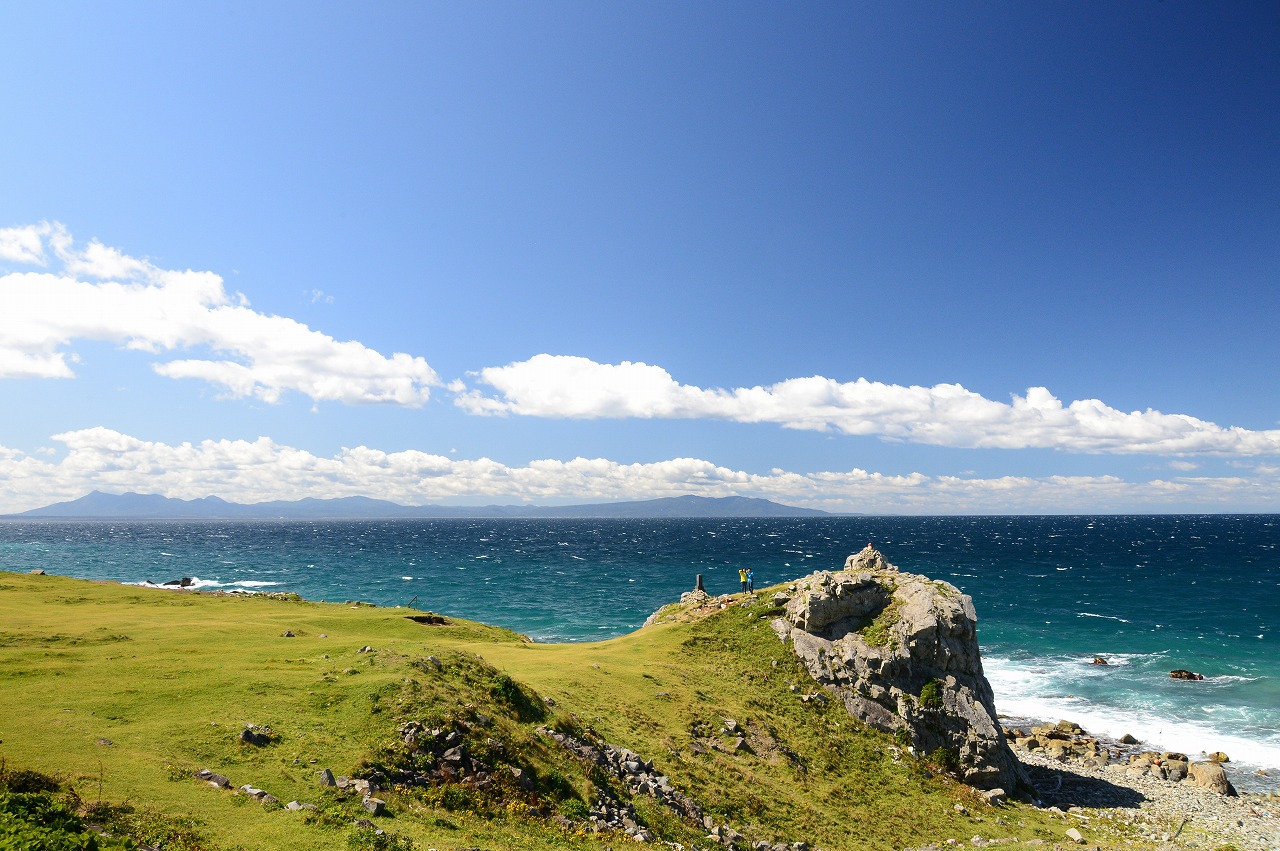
point(901, 652)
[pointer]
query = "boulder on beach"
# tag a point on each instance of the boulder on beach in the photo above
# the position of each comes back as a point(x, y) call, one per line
point(1062, 730)
point(1210, 775)
point(1218, 756)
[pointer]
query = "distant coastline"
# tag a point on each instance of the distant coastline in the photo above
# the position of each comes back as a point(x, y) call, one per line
point(134, 506)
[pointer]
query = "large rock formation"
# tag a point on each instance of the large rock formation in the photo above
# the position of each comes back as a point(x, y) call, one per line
point(901, 652)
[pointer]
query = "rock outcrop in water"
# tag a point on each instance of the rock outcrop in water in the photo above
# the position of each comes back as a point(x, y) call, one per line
point(901, 652)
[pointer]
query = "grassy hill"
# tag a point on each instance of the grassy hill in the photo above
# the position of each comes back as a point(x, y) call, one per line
point(121, 694)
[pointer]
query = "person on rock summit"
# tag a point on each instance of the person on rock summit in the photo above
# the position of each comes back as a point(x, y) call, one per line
point(742, 577)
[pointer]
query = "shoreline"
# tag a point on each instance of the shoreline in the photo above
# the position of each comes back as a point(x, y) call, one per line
point(1163, 811)
point(1240, 773)
point(1103, 799)
point(1243, 775)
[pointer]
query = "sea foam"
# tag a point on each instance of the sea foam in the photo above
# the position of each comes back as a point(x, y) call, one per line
point(1047, 689)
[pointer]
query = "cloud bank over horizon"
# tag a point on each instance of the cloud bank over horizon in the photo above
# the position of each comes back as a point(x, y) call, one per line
point(100, 294)
point(96, 293)
point(559, 386)
point(261, 470)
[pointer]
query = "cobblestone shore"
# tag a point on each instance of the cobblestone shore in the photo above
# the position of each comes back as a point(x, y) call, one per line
point(1098, 801)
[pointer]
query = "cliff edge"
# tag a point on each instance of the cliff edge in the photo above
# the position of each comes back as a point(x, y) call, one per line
point(901, 651)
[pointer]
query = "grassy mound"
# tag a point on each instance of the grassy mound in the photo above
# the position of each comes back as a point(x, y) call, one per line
point(120, 695)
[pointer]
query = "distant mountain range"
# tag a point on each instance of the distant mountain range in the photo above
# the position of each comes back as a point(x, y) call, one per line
point(139, 506)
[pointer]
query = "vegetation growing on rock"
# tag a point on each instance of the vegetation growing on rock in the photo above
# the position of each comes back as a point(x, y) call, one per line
point(879, 632)
point(931, 694)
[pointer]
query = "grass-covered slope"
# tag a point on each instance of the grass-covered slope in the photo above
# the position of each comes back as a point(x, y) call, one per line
point(121, 694)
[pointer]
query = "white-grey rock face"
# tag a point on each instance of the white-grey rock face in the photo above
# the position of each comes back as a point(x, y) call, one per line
point(901, 652)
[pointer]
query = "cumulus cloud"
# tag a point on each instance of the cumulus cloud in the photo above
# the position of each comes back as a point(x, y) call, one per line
point(24, 244)
point(101, 294)
point(941, 415)
point(262, 469)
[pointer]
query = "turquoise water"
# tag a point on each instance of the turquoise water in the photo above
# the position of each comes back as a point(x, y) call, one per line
point(1149, 593)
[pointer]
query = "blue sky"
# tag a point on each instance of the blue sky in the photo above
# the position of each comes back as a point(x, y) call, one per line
point(890, 258)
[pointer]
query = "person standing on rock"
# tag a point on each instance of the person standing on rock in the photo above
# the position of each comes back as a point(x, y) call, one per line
point(751, 581)
point(742, 577)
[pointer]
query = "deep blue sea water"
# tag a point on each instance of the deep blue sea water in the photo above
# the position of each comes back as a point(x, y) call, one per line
point(1149, 593)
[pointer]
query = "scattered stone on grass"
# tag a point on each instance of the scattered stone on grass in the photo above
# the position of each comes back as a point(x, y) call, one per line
point(213, 779)
point(257, 736)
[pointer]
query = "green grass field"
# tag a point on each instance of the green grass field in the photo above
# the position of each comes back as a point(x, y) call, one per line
point(122, 693)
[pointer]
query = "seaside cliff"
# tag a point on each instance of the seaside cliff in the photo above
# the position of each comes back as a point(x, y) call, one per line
point(901, 652)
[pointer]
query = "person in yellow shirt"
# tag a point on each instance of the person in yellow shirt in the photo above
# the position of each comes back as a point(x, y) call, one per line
point(742, 576)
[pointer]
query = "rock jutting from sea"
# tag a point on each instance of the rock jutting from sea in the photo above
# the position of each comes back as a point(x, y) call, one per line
point(901, 652)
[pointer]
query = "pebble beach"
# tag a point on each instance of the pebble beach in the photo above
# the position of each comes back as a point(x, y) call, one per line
point(1097, 800)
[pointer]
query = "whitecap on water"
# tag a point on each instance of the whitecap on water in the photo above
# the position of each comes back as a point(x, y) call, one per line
point(1048, 688)
point(1231, 678)
point(1104, 617)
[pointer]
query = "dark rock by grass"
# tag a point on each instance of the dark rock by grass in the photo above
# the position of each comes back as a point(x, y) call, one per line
point(257, 736)
point(213, 779)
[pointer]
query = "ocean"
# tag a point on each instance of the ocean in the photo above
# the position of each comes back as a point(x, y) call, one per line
point(1148, 593)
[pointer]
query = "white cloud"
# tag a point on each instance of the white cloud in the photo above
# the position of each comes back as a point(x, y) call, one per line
point(137, 305)
point(258, 470)
point(942, 415)
point(24, 244)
